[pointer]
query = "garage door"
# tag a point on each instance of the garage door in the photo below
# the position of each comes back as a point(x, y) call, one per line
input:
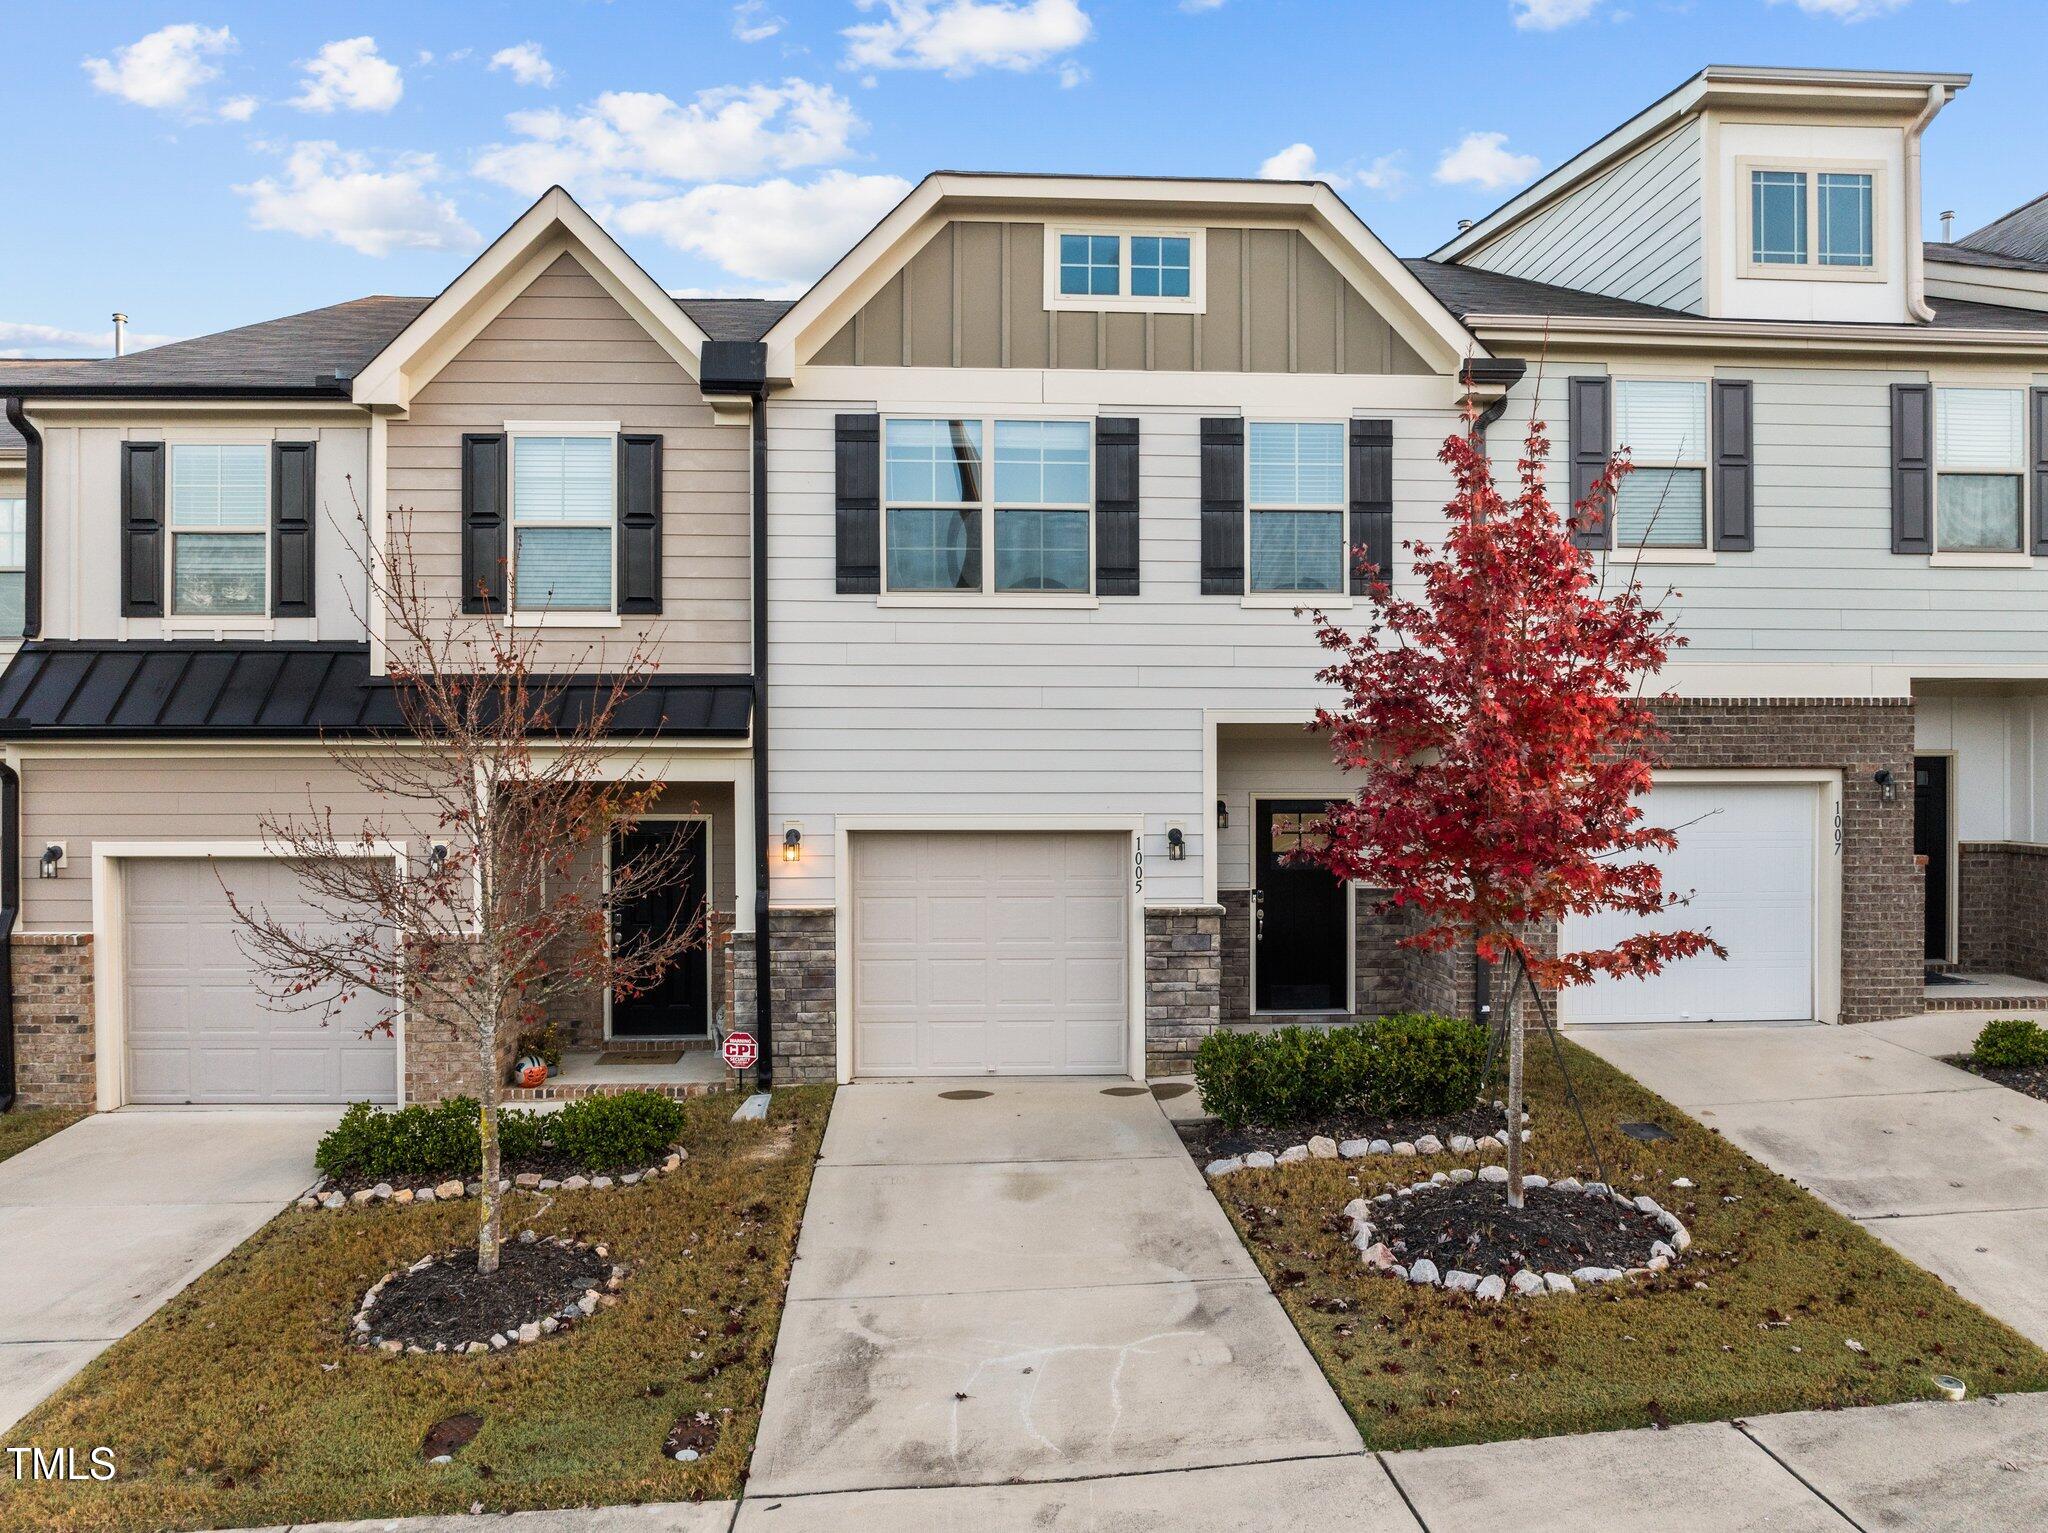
point(1747, 853)
point(198, 1030)
point(991, 953)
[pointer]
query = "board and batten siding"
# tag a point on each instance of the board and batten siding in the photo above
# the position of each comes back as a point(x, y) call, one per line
point(564, 350)
point(82, 526)
point(974, 296)
point(1009, 714)
point(1634, 231)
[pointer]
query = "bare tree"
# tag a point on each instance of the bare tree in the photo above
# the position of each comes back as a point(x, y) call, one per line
point(513, 770)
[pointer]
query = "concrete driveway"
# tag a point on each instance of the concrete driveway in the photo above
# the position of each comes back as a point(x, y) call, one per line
point(1950, 1169)
point(1027, 1282)
point(103, 1222)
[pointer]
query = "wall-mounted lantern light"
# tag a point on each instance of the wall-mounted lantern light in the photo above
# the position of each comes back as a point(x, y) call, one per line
point(51, 860)
point(1886, 784)
point(1176, 844)
point(437, 856)
point(1222, 815)
point(792, 845)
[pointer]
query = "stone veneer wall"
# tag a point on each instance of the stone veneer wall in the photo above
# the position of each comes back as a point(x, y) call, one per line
point(1385, 971)
point(55, 1051)
point(2002, 908)
point(803, 966)
point(1183, 984)
point(1883, 969)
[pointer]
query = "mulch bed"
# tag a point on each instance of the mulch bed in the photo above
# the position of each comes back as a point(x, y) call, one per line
point(1470, 1227)
point(444, 1305)
point(1208, 1140)
point(2032, 1079)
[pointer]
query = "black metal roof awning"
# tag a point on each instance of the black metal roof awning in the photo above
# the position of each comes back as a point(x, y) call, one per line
point(186, 689)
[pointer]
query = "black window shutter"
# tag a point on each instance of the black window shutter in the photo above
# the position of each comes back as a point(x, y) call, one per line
point(639, 524)
point(142, 529)
point(1222, 506)
point(1116, 506)
point(1734, 433)
point(484, 492)
point(1372, 503)
point(1592, 436)
point(2038, 418)
point(1912, 468)
point(857, 493)
point(291, 529)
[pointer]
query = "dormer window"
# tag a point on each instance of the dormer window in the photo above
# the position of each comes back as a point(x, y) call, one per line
point(1157, 270)
point(1814, 220)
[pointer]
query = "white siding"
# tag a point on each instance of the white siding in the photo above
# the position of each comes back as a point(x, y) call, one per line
point(2000, 743)
point(1633, 231)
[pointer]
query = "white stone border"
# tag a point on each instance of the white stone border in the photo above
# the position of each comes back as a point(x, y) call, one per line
point(1527, 1283)
point(455, 1188)
point(1322, 1147)
point(365, 1339)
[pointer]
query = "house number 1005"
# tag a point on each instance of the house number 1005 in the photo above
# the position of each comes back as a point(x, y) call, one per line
point(1137, 864)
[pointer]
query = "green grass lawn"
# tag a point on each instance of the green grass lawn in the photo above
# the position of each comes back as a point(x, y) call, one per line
point(238, 1404)
point(32, 1125)
point(1756, 1318)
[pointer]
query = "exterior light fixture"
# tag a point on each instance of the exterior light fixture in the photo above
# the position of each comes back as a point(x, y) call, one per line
point(1176, 844)
point(1222, 815)
point(51, 860)
point(792, 845)
point(437, 856)
point(1886, 784)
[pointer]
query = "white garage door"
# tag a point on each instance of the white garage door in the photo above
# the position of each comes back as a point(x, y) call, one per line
point(991, 953)
point(1746, 851)
point(198, 1030)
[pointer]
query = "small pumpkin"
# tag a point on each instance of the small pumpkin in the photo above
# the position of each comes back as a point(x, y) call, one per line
point(531, 1070)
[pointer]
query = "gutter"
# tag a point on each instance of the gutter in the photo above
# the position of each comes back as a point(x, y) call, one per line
point(1484, 374)
point(1778, 335)
point(1916, 252)
point(32, 578)
point(740, 369)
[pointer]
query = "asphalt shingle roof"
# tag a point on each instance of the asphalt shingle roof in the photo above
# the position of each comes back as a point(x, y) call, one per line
point(2022, 234)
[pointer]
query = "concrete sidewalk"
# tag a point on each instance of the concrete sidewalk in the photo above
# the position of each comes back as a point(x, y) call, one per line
point(1928, 1468)
point(102, 1223)
point(1943, 1165)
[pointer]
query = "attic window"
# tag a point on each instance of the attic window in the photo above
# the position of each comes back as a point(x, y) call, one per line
point(1815, 220)
point(1157, 270)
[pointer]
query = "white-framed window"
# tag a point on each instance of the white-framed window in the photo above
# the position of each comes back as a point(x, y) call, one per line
point(1980, 445)
point(1143, 269)
point(13, 566)
point(941, 503)
point(1662, 503)
point(564, 517)
point(220, 529)
point(1296, 500)
point(1818, 219)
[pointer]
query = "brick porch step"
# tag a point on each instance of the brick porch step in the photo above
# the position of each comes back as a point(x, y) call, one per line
point(2034, 1002)
point(559, 1091)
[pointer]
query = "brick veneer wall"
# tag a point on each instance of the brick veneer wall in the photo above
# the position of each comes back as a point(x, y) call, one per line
point(441, 1054)
point(2002, 908)
point(1183, 984)
point(803, 968)
point(580, 1017)
point(55, 1050)
point(1385, 971)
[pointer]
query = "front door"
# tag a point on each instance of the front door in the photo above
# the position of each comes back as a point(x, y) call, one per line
point(1300, 947)
point(1931, 848)
point(679, 1004)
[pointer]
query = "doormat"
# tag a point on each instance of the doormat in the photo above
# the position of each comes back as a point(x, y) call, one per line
point(639, 1057)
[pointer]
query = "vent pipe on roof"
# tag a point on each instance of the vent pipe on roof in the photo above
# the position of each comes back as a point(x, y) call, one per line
point(120, 332)
point(1464, 224)
point(1948, 226)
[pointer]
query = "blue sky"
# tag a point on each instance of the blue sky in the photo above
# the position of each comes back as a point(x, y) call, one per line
point(206, 165)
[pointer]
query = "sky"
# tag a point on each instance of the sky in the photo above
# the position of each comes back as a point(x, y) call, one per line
point(203, 165)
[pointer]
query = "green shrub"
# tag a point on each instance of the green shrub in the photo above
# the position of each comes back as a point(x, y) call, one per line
point(1397, 1065)
point(614, 1133)
point(2011, 1043)
point(433, 1143)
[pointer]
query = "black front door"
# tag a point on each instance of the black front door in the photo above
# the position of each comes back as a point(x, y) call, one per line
point(1300, 958)
point(1930, 846)
point(679, 1004)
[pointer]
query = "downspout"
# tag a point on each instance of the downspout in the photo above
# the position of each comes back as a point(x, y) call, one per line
point(764, 989)
point(32, 579)
point(10, 910)
point(1916, 251)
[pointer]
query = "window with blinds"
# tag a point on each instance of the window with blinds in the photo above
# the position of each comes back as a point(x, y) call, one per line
point(219, 527)
point(13, 566)
point(1295, 505)
point(1663, 502)
point(1979, 461)
point(564, 506)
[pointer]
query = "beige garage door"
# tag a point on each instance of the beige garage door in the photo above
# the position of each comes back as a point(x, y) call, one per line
point(991, 953)
point(198, 1030)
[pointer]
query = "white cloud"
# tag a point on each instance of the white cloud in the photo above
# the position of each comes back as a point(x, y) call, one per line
point(238, 108)
point(1484, 160)
point(21, 339)
point(1072, 74)
point(1297, 162)
point(349, 73)
point(165, 69)
point(1549, 15)
point(330, 193)
point(529, 65)
point(1847, 10)
point(778, 233)
point(1384, 174)
point(1201, 5)
point(961, 36)
point(629, 143)
point(753, 22)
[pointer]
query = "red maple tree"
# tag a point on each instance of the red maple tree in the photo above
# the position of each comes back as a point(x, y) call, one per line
point(1498, 725)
